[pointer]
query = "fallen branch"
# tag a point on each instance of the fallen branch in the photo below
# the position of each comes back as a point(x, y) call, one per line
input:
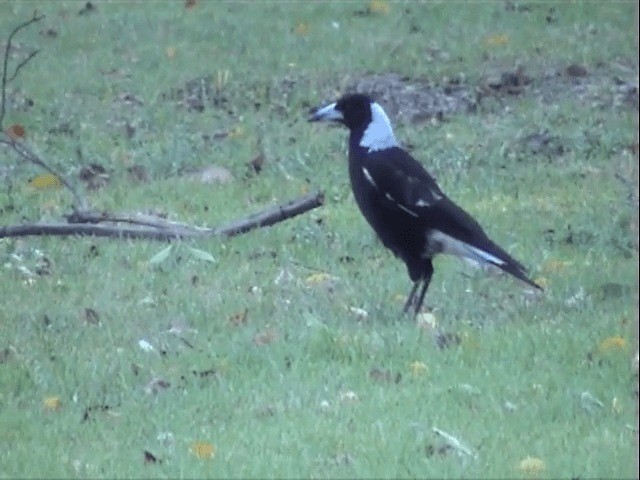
point(85, 222)
point(154, 228)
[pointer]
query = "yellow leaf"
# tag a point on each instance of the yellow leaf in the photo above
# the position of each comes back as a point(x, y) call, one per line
point(171, 52)
point(418, 368)
point(203, 450)
point(400, 298)
point(378, 6)
point(611, 344)
point(317, 278)
point(52, 403)
point(555, 265)
point(542, 281)
point(235, 132)
point(497, 40)
point(46, 180)
point(301, 29)
point(532, 465)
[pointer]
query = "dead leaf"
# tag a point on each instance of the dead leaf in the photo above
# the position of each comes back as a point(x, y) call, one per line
point(49, 32)
point(255, 165)
point(94, 408)
point(94, 176)
point(15, 131)
point(45, 181)
point(497, 40)
point(91, 316)
point(188, 4)
point(265, 337)
point(128, 98)
point(156, 385)
point(88, 8)
point(379, 7)
point(203, 450)
point(384, 376)
point(138, 173)
point(150, 458)
point(52, 403)
point(239, 318)
point(576, 70)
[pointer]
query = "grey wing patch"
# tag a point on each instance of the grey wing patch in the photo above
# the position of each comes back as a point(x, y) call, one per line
point(440, 242)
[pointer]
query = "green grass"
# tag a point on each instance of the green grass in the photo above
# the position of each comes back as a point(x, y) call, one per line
point(520, 383)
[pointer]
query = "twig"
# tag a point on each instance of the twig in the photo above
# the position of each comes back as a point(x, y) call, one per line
point(162, 229)
point(22, 64)
point(26, 153)
point(5, 64)
point(15, 144)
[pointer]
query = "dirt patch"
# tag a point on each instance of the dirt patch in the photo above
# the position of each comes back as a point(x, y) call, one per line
point(411, 100)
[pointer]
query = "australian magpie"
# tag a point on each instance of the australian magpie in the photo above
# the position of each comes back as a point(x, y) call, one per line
point(402, 201)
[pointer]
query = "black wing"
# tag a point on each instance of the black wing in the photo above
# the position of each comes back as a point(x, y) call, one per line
point(405, 183)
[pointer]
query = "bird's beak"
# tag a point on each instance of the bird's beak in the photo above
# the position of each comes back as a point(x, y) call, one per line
point(325, 114)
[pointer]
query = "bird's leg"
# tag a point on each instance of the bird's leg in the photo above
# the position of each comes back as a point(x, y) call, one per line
point(411, 297)
point(425, 285)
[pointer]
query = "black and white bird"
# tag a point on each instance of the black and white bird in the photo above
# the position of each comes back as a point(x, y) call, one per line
point(403, 203)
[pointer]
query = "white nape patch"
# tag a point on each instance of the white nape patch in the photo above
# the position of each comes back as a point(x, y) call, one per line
point(369, 178)
point(328, 113)
point(379, 134)
point(422, 203)
point(439, 242)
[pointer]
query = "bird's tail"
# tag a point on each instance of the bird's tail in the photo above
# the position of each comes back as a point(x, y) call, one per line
point(494, 255)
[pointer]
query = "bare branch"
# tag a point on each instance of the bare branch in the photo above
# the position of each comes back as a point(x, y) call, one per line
point(5, 64)
point(163, 229)
point(22, 64)
point(27, 154)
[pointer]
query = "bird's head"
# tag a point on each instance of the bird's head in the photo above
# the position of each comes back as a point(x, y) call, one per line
point(363, 116)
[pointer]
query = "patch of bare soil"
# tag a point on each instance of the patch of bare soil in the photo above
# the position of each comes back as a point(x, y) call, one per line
point(405, 99)
point(606, 86)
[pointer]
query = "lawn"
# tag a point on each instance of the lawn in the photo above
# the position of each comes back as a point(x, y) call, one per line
point(286, 356)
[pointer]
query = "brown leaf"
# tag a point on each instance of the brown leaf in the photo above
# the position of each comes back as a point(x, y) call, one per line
point(150, 458)
point(15, 131)
point(138, 173)
point(239, 318)
point(49, 32)
point(211, 372)
point(254, 167)
point(156, 385)
point(265, 337)
point(94, 176)
point(128, 98)
point(190, 4)
point(93, 408)
point(88, 8)
point(576, 70)
point(91, 316)
point(384, 376)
